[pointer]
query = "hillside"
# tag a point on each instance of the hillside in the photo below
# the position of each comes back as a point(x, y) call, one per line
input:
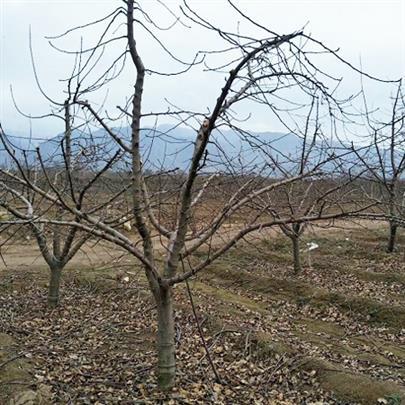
point(167, 148)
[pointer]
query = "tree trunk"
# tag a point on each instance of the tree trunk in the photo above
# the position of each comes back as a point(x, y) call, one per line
point(296, 254)
point(392, 237)
point(165, 340)
point(54, 283)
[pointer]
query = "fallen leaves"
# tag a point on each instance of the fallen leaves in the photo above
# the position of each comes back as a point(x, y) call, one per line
point(98, 346)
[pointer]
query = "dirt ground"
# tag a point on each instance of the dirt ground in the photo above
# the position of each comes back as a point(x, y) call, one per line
point(334, 334)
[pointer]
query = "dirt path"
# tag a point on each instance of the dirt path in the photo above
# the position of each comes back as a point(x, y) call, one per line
point(26, 253)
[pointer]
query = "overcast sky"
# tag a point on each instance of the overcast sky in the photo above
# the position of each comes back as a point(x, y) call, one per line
point(373, 31)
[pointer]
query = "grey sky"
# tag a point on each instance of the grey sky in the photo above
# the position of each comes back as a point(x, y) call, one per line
point(371, 30)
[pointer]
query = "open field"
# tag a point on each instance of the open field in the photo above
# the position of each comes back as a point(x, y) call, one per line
point(335, 334)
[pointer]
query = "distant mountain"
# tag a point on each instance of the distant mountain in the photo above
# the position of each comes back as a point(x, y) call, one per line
point(17, 142)
point(166, 147)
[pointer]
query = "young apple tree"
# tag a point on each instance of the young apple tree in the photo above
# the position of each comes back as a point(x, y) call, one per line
point(384, 162)
point(204, 205)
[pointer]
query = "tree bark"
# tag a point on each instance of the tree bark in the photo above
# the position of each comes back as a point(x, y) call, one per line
point(296, 253)
point(165, 340)
point(392, 237)
point(54, 284)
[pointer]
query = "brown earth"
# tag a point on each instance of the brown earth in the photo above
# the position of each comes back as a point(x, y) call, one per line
point(335, 334)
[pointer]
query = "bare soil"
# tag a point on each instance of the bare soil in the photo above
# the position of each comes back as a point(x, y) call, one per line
point(334, 334)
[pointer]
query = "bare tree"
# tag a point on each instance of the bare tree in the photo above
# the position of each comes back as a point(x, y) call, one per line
point(167, 209)
point(317, 197)
point(56, 246)
point(66, 172)
point(384, 160)
point(336, 191)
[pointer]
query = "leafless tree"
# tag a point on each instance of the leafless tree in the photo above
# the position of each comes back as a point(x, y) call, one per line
point(384, 160)
point(337, 191)
point(322, 197)
point(66, 171)
point(57, 245)
point(205, 207)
